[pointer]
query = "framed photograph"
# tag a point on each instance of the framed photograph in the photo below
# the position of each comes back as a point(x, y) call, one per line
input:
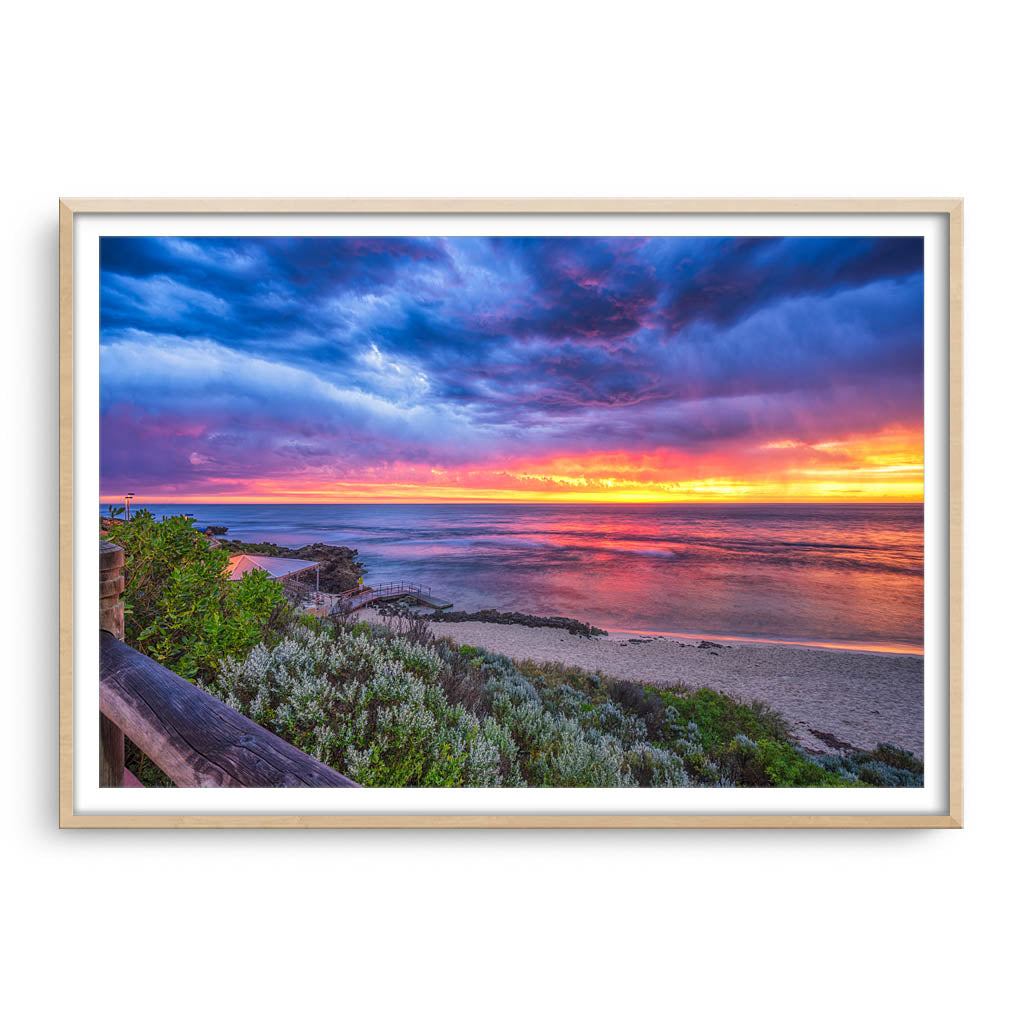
point(510, 513)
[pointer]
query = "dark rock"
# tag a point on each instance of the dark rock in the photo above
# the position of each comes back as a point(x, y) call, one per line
point(832, 740)
point(574, 626)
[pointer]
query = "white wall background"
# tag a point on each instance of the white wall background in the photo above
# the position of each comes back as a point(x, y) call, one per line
point(523, 99)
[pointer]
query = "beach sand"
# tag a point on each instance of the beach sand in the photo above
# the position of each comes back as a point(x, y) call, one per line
point(852, 698)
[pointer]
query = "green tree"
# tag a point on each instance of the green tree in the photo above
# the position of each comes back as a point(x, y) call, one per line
point(181, 608)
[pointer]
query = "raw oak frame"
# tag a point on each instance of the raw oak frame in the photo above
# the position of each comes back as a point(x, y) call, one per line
point(951, 208)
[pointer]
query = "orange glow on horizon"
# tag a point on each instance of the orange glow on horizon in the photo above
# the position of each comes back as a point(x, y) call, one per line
point(883, 467)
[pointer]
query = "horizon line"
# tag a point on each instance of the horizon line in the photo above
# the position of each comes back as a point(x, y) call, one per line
point(136, 501)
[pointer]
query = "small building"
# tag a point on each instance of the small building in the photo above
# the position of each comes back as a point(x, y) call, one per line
point(286, 570)
point(276, 568)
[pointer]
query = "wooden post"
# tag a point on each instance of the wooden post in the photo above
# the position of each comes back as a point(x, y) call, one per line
point(111, 755)
point(111, 589)
point(112, 621)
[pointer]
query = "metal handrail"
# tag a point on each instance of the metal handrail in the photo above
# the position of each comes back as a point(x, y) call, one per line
point(386, 589)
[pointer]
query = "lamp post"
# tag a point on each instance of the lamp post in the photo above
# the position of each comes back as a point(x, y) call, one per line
point(127, 505)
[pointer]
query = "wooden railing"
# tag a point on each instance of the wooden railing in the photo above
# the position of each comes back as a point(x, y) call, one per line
point(195, 739)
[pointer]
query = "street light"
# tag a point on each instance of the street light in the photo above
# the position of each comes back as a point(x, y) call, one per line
point(127, 503)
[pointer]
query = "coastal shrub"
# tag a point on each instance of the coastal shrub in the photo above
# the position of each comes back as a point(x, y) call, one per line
point(775, 763)
point(683, 738)
point(181, 609)
point(878, 773)
point(746, 744)
point(886, 766)
point(719, 741)
point(566, 700)
point(897, 757)
point(630, 729)
point(652, 766)
point(393, 706)
point(644, 703)
point(742, 763)
point(556, 751)
point(461, 676)
point(837, 766)
point(364, 706)
point(718, 718)
point(786, 765)
point(401, 618)
point(374, 708)
point(567, 739)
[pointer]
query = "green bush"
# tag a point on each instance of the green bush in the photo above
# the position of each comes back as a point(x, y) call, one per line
point(181, 609)
point(898, 758)
point(719, 718)
point(380, 709)
point(366, 706)
point(749, 743)
point(391, 710)
point(886, 766)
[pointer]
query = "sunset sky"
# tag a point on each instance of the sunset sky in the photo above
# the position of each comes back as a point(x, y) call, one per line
point(511, 369)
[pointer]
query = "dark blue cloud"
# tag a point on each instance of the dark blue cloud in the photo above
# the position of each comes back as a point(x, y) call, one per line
point(444, 348)
point(600, 289)
point(250, 291)
point(728, 278)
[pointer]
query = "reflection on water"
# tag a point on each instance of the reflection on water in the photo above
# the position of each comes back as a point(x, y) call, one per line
point(845, 574)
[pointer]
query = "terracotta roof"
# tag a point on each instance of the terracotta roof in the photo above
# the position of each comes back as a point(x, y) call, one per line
point(278, 568)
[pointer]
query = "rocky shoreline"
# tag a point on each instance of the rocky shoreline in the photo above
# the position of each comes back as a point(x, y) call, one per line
point(492, 615)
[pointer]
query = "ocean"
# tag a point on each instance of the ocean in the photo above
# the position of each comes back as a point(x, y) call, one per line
point(837, 575)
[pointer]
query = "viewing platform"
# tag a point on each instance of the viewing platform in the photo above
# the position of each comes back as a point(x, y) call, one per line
point(360, 597)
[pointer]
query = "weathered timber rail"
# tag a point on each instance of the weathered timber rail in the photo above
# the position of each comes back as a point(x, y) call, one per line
point(362, 596)
point(195, 739)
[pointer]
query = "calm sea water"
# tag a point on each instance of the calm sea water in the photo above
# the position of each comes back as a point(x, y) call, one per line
point(845, 575)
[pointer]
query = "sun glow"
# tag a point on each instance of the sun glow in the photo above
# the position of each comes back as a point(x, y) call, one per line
point(888, 466)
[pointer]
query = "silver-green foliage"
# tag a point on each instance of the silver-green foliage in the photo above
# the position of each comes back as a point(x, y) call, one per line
point(370, 706)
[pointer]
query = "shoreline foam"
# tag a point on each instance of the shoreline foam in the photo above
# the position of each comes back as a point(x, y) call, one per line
point(853, 647)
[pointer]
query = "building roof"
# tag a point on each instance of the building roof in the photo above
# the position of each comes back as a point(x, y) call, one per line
point(278, 568)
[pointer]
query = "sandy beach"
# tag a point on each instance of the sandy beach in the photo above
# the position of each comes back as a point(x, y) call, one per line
point(853, 698)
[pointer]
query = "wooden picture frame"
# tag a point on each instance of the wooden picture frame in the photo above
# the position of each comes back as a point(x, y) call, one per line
point(949, 210)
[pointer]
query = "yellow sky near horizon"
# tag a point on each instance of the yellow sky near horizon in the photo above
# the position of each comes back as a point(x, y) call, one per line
point(885, 467)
